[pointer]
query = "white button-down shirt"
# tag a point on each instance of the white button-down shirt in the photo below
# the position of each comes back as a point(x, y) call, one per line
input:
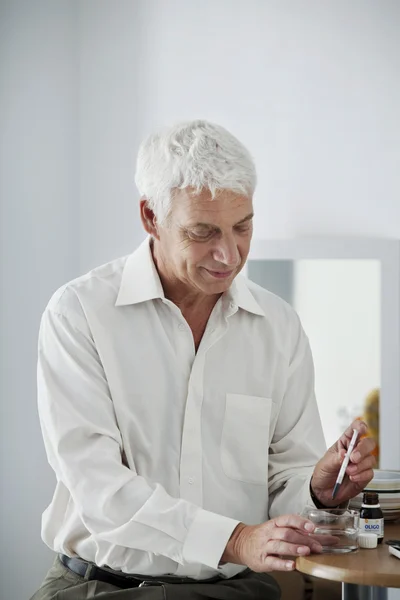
point(160, 451)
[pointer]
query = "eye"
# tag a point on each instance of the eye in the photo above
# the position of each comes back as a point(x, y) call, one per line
point(243, 227)
point(200, 234)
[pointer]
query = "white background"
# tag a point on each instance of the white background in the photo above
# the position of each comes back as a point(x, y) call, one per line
point(311, 87)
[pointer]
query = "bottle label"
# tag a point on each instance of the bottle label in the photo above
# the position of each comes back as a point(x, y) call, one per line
point(372, 526)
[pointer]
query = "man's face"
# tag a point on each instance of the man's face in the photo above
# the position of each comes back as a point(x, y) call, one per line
point(205, 243)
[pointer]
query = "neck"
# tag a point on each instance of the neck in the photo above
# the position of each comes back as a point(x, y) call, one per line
point(188, 300)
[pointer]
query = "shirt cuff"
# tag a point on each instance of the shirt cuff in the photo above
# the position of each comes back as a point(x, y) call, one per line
point(207, 538)
point(314, 501)
point(304, 497)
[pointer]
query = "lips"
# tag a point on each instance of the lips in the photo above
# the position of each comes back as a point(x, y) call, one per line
point(220, 274)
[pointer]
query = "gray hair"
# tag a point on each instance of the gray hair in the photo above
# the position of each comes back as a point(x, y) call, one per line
point(195, 154)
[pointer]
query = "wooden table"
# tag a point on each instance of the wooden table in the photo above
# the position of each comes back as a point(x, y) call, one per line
point(365, 573)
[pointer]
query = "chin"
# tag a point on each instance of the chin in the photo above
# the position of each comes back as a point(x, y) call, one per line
point(217, 287)
point(214, 285)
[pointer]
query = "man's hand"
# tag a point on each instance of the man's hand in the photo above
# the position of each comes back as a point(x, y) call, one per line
point(358, 473)
point(260, 547)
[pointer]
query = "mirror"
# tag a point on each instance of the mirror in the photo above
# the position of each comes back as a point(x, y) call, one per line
point(347, 294)
point(338, 302)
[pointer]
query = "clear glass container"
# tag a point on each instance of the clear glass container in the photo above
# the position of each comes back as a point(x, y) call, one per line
point(336, 528)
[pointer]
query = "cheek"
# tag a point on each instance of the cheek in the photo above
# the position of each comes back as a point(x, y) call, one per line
point(244, 247)
point(197, 255)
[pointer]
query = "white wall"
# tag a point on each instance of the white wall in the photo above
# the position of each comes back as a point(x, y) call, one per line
point(312, 88)
point(39, 251)
point(113, 106)
point(338, 302)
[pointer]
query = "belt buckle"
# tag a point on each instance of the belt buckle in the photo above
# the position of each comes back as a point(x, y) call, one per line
point(149, 583)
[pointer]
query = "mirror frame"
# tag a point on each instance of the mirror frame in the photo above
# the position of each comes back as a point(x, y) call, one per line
point(387, 251)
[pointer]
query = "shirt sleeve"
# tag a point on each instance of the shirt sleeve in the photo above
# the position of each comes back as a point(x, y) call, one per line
point(298, 442)
point(84, 447)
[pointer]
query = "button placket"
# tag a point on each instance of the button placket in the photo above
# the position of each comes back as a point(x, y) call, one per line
point(214, 335)
point(191, 464)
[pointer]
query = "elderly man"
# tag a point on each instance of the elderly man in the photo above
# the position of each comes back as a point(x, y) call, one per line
point(176, 401)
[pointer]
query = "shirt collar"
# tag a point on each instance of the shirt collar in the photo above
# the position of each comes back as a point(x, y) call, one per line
point(140, 282)
point(240, 295)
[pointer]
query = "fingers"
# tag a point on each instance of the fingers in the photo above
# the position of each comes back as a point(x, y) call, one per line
point(278, 547)
point(362, 450)
point(362, 479)
point(361, 470)
point(357, 424)
point(294, 521)
point(274, 563)
point(286, 535)
point(275, 549)
point(291, 536)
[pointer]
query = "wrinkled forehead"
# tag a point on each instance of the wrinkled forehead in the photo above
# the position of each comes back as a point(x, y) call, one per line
point(226, 208)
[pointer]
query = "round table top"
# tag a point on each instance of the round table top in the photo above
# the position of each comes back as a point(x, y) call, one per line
point(374, 566)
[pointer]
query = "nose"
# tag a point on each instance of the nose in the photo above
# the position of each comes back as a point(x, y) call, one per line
point(226, 252)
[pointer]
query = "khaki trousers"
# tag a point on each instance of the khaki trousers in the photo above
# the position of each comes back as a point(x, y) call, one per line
point(62, 584)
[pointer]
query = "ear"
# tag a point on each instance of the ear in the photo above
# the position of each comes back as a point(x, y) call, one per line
point(149, 219)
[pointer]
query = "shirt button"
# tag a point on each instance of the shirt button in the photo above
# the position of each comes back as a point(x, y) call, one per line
point(191, 480)
point(181, 327)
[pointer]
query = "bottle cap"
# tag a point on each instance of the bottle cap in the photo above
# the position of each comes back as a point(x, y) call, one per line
point(368, 540)
point(371, 498)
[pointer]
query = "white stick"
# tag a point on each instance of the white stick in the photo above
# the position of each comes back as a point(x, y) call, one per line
point(345, 462)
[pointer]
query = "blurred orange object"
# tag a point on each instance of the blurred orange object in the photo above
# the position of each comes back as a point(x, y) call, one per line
point(371, 417)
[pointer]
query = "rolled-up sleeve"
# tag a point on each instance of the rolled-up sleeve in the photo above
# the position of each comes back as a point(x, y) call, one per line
point(298, 441)
point(84, 448)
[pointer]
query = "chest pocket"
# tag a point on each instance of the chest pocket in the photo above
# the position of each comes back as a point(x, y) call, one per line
point(245, 438)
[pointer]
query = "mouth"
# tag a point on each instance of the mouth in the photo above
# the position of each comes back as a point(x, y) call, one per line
point(220, 274)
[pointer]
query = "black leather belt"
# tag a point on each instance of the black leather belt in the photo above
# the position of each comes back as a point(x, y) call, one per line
point(80, 567)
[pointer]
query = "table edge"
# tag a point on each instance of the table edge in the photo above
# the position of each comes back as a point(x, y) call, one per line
point(333, 573)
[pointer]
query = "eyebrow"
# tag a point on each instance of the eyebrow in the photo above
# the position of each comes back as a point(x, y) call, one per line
point(210, 226)
point(248, 218)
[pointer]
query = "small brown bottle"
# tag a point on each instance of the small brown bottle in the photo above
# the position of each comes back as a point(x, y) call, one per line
point(371, 515)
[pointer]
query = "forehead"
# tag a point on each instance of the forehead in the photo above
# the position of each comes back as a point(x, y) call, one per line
point(225, 208)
